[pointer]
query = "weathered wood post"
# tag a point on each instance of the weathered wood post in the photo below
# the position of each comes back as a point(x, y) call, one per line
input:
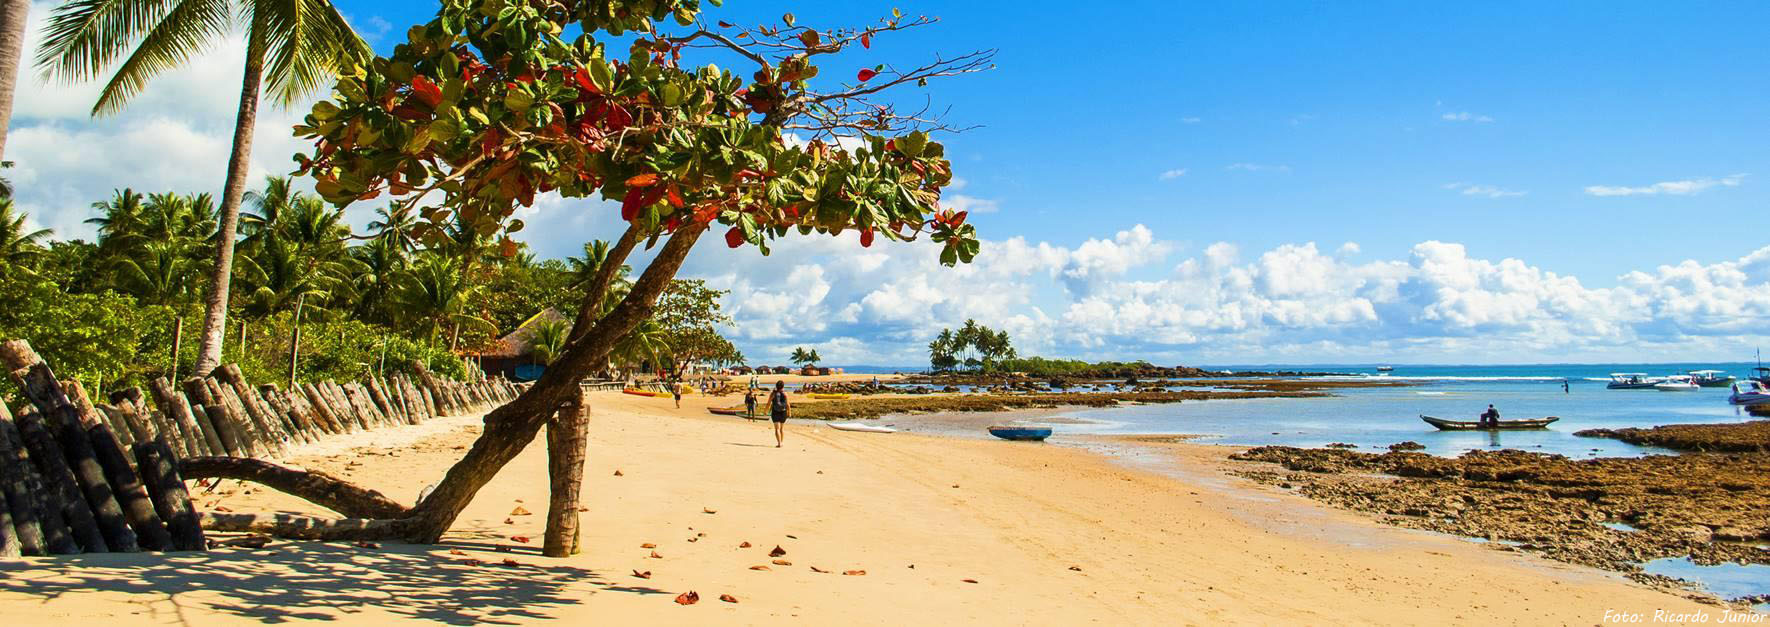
point(20, 488)
point(566, 432)
point(62, 499)
point(196, 440)
point(69, 424)
point(159, 467)
point(177, 339)
point(295, 338)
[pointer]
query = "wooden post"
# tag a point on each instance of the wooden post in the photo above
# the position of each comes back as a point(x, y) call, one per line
point(566, 432)
point(278, 405)
point(379, 397)
point(196, 441)
point(230, 418)
point(295, 338)
point(268, 425)
point(68, 524)
point(131, 496)
point(21, 491)
point(68, 422)
point(330, 421)
point(159, 468)
point(341, 405)
point(177, 339)
point(230, 437)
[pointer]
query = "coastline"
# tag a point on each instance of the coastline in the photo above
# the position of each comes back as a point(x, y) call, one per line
point(1050, 534)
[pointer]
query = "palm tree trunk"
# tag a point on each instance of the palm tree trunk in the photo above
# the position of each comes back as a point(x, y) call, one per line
point(12, 46)
point(215, 319)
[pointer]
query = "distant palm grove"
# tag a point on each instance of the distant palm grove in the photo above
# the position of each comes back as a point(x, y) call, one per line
point(110, 311)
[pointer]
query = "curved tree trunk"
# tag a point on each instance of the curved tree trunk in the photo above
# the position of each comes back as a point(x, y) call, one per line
point(238, 165)
point(12, 47)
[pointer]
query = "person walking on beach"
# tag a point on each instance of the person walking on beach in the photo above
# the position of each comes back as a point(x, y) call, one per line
point(676, 391)
point(777, 411)
point(750, 404)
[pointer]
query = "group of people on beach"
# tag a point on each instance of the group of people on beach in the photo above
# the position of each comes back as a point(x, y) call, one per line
point(777, 408)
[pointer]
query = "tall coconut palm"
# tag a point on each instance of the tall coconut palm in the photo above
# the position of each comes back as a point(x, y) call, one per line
point(120, 219)
point(298, 45)
point(18, 246)
point(435, 291)
point(396, 226)
point(12, 49)
point(269, 209)
point(379, 264)
point(158, 274)
point(280, 272)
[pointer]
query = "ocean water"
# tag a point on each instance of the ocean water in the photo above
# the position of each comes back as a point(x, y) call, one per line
point(1373, 418)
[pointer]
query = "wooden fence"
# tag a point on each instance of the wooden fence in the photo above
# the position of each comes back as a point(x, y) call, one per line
point(69, 487)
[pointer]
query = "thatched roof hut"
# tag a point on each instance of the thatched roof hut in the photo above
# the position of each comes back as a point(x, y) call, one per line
point(517, 347)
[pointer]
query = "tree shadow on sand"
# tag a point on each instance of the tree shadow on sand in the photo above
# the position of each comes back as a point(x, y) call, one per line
point(320, 581)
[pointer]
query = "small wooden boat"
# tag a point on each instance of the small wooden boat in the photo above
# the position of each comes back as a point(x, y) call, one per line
point(727, 411)
point(865, 428)
point(830, 397)
point(1034, 434)
point(642, 392)
point(1504, 425)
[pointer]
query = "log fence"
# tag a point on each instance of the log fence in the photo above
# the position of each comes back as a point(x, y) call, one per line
point(80, 477)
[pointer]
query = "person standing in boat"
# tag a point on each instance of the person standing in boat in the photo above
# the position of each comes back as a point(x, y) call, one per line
point(1490, 418)
point(777, 411)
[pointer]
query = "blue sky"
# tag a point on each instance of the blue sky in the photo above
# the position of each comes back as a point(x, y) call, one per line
point(1500, 170)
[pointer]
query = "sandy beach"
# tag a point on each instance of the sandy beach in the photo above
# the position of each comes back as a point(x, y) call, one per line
point(946, 530)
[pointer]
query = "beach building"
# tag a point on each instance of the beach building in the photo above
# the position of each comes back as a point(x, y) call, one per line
point(513, 355)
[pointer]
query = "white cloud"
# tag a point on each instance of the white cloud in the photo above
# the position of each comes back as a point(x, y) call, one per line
point(1465, 116)
point(1489, 191)
point(1171, 174)
point(1257, 167)
point(1674, 188)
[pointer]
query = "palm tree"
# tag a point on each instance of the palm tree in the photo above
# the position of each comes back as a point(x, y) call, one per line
point(12, 48)
point(121, 219)
point(396, 226)
point(645, 343)
point(159, 274)
point(379, 264)
point(299, 45)
point(18, 247)
point(279, 273)
point(435, 291)
point(548, 340)
point(269, 207)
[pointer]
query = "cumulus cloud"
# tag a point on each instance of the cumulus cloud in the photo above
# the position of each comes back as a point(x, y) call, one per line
point(1171, 174)
point(1673, 188)
point(1488, 191)
point(1464, 116)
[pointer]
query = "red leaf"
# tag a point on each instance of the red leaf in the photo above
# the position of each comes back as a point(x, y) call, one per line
point(866, 74)
point(426, 90)
point(674, 196)
point(582, 78)
point(735, 238)
point(647, 179)
point(959, 218)
point(866, 238)
point(866, 40)
point(777, 552)
point(688, 598)
point(728, 598)
point(522, 539)
point(724, 24)
point(642, 574)
point(632, 203)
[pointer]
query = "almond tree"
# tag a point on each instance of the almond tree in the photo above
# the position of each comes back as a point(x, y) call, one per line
point(490, 104)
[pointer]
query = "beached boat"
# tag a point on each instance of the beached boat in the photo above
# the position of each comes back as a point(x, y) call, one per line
point(1749, 393)
point(1631, 381)
point(864, 428)
point(1504, 425)
point(1711, 378)
point(1020, 433)
point(830, 397)
point(727, 411)
point(1677, 383)
point(642, 392)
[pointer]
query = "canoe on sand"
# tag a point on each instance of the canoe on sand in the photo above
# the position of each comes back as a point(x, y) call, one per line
point(1504, 425)
point(855, 426)
point(639, 392)
point(830, 396)
point(727, 411)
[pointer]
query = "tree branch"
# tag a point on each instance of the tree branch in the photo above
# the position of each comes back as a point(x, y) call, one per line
point(317, 487)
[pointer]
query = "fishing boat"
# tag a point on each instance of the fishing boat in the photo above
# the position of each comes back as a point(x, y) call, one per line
point(1761, 374)
point(1504, 425)
point(1631, 381)
point(830, 397)
point(642, 392)
point(1711, 378)
point(1749, 393)
point(1677, 383)
point(864, 428)
point(1033, 434)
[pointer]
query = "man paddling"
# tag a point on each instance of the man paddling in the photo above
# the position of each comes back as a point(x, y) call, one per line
point(1490, 418)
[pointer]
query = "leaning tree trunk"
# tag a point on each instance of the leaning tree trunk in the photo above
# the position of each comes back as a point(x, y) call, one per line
point(12, 47)
point(215, 316)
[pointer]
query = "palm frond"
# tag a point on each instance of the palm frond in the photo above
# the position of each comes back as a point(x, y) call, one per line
point(190, 28)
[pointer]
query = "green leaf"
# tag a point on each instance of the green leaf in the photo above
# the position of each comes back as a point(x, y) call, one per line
point(518, 100)
point(672, 95)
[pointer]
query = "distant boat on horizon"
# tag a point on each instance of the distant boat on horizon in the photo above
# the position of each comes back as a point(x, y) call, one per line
point(1385, 368)
point(1631, 381)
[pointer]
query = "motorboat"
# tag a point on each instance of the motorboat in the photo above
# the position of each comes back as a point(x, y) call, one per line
point(1385, 368)
point(1711, 378)
point(1761, 374)
point(1033, 434)
point(1749, 393)
point(1631, 381)
point(1677, 383)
